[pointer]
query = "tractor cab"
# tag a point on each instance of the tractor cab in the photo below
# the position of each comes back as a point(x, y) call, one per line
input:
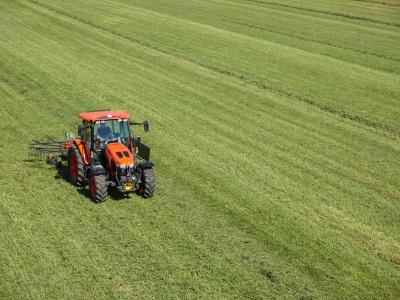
point(111, 130)
point(103, 132)
point(104, 127)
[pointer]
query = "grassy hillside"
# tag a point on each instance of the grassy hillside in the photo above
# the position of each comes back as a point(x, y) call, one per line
point(274, 127)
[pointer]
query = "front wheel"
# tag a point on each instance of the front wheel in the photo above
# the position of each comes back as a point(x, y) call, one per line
point(147, 188)
point(98, 187)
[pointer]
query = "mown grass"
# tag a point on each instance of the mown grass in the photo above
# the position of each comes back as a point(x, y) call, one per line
point(329, 83)
point(276, 152)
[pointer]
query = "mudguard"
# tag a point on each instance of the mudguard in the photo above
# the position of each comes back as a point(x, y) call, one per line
point(146, 165)
point(96, 170)
point(83, 149)
point(143, 149)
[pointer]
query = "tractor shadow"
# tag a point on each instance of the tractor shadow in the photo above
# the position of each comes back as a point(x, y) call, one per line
point(62, 173)
point(113, 193)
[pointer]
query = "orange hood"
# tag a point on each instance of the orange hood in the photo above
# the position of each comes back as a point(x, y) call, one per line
point(118, 153)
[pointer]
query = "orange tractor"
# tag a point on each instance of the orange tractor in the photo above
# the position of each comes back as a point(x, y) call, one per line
point(105, 154)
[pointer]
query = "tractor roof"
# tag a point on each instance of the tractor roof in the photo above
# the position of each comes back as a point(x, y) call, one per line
point(95, 115)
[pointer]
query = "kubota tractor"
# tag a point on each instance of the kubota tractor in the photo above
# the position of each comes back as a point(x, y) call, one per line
point(106, 154)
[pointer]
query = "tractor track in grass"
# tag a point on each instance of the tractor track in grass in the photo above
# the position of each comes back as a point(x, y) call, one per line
point(325, 12)
point(302, 38)
point(22, 90)
point(378, 2)
point(248, 79)
point(311, 40)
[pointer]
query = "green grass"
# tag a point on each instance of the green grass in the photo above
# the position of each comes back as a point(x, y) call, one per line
point(274, 127)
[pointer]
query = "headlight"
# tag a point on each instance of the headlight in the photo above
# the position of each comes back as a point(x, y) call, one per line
point(121, 169)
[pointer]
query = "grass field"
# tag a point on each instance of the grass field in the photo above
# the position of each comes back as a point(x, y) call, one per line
point(274, 128)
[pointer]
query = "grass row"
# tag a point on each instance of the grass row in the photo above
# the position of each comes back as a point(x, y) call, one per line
point(333, 85)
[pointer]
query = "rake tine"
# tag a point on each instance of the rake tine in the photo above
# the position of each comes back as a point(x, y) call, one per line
point(49, 143)
point(52, 139)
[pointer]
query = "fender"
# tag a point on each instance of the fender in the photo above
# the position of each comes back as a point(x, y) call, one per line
point(95, 170)
point(83, 149)
point(146, 165)
point(143, 150)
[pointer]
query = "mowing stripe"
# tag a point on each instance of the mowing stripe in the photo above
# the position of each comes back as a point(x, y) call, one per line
point(259, 82)
point(336, 14)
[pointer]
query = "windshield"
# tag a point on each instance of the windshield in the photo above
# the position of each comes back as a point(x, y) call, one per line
point(112, 129)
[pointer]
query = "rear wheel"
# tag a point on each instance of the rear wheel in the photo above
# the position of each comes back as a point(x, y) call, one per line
point(98, 187)
point(148, 185)
point(75, 166)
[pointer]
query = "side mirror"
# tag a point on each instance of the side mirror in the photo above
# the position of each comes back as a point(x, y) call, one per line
point(80, 129)
point(146, 126)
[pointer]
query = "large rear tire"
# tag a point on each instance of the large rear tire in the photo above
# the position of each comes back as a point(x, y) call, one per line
point(148, 186)
point(76, 167)
point(98, 187)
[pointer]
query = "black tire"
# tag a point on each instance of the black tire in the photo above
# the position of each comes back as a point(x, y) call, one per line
point(148, 185)
point(98, 187)
point(75, 166)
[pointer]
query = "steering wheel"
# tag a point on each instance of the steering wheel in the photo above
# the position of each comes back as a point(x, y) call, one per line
point(111, 140)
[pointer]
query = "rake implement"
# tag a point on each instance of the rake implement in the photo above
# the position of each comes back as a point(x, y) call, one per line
point(55, 149)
